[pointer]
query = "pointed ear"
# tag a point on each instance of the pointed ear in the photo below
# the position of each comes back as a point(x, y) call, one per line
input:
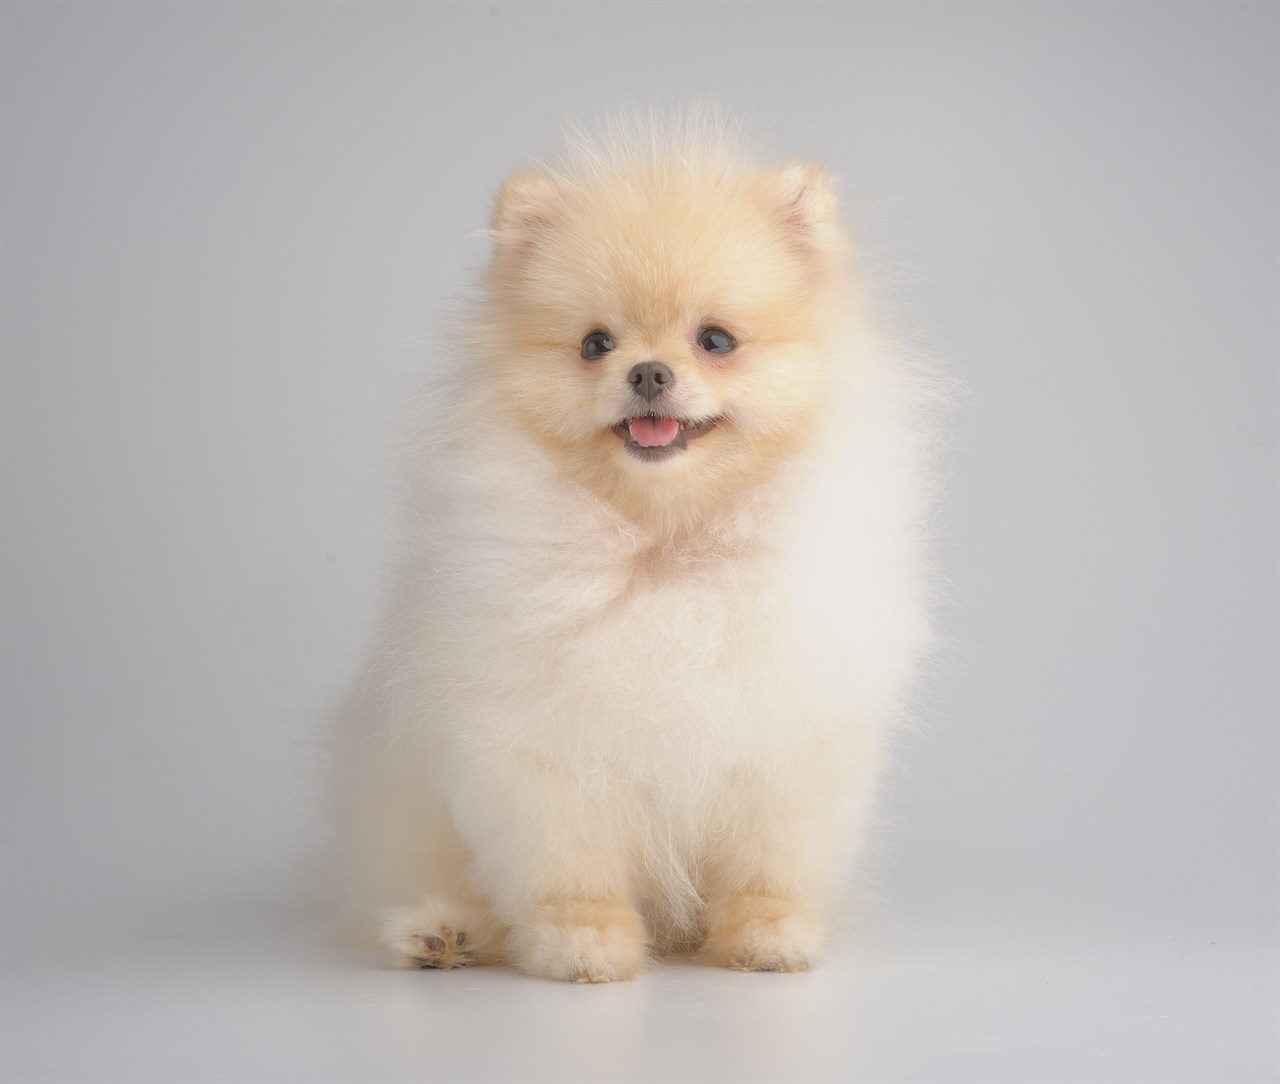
point(805, 198)
point(523, 207)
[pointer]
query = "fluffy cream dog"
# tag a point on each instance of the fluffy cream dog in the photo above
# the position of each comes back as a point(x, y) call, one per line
point(662, 588)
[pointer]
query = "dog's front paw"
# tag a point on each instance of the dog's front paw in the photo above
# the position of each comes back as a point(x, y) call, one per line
point(581, 941)
point(760, 933)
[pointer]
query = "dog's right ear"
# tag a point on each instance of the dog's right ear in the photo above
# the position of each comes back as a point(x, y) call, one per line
point(523, 210)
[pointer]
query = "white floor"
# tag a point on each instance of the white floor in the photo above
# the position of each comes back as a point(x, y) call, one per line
point(248, 997)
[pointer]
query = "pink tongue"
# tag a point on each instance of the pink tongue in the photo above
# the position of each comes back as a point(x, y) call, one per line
point(654, 432)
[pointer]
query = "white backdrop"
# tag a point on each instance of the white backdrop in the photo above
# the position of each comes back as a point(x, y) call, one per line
point(228, 230)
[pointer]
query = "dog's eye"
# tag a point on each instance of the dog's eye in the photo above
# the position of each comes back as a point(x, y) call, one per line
point(715, 340)
point(596, 345)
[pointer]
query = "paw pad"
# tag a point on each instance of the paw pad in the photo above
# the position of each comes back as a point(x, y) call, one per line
point(443, 950)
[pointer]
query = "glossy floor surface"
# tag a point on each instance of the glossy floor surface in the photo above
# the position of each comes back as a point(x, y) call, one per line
point(249, 997)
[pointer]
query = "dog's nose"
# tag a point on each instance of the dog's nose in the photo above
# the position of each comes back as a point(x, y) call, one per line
point(650, 379)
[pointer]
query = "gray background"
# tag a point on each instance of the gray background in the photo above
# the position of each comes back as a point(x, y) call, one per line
point(228, 229)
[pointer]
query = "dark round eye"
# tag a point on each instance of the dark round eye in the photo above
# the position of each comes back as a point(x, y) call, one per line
point(715, 340)
point(596, 345)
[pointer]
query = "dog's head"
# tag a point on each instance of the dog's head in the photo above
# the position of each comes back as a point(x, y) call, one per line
point(662, 325)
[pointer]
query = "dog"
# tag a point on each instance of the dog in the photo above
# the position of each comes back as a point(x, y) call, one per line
point(664, 581)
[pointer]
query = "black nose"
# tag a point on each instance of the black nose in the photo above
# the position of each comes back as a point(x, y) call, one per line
point(650, 379)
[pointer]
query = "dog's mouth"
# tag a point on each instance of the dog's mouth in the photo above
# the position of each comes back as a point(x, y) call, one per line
point(653, 437)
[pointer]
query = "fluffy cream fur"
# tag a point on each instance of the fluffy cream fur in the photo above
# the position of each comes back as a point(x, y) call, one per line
point(622, 707)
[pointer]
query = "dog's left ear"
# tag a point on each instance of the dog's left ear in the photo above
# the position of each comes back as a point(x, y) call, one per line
point(806, 197)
